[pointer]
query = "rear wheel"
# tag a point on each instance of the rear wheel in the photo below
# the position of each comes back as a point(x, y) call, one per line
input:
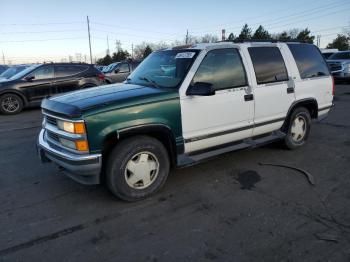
point(137, 167)
point(10, 104)
point(299, 128)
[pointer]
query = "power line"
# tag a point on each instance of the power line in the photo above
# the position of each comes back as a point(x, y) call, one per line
point(293, 15)
point(40, 32)
point(40, 40)
point(130, 28)
point(41, 24)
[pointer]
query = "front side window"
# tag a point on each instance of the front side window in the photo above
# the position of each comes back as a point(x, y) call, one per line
point(223, 68)
point(268, 64)
point(44, 72)
point(164, 68)
point(309, 60)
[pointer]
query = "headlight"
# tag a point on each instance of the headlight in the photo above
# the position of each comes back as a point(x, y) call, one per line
point(346, 67)
point(80, 145)
point(70, 127)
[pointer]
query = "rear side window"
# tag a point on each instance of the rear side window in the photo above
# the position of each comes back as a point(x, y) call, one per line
point(68, 70)
point(309, 60)
point(223, 68)
point(124, 68)
point(268, 64)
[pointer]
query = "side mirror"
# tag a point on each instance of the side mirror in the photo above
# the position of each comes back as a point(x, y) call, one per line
point(116, 70)
point(200, 89)
point(29, 78)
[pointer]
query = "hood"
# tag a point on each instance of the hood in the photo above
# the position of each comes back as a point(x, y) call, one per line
point(75, 103)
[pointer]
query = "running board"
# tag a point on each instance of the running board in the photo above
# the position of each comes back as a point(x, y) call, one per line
point(199, 156)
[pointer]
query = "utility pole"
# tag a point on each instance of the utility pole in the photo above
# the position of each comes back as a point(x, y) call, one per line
point(187, 37)
point(107, 46)
point(88, 24)
point(3, 57)
point(132, 51)
point(318, 41)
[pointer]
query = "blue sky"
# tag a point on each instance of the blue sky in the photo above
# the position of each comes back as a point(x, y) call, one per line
point(35, 30)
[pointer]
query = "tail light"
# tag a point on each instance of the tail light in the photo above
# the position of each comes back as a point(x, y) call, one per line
point(333, 86)
point(101, 76)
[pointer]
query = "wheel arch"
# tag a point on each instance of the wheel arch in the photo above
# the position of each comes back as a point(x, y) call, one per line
point(309, 103)
point(22, 96)
point(160, 132)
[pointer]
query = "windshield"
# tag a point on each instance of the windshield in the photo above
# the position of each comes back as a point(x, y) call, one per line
point(164, 68)
point(12, 71)
point(340, 55)
point(24, 72)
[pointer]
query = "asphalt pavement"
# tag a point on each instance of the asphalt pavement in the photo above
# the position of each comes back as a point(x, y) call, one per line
point(226, 209)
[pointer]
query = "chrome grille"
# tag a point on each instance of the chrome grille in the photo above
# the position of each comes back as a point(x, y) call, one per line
point(51, 120)
point(335, 66)
point(53, 136)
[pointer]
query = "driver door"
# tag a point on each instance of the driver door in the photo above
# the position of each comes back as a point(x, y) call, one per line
point(222, 118)
point(39, 83)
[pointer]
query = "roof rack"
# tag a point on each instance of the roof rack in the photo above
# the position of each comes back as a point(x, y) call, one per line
point(71, 62)
point(262, 40)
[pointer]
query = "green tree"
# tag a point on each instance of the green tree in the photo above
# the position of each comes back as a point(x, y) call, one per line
point(261, 33)
point(246, 33)
point(304, 36)
point(231, 37)
point(284, 36)
point(121, 55)
point(341, 42)
point(105, 60)
point(148, 50)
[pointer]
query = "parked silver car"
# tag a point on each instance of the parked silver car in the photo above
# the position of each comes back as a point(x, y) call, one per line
point(119, 71)
point(339, 64)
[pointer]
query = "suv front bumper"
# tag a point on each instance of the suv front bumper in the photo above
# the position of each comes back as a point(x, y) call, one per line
point(84, 169)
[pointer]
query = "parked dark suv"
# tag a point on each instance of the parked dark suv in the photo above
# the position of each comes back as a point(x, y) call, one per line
point(38, 81)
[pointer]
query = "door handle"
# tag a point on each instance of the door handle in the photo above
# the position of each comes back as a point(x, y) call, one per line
point(248, 97)
point(290, 90)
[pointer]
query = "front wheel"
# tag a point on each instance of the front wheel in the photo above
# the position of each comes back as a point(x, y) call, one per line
point(299, 128)
point(11, 104)
point(137, 167)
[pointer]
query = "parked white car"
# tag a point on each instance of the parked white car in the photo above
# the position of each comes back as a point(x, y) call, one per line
point(183, 105)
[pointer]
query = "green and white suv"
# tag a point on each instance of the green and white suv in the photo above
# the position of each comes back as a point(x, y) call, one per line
point(183, 105)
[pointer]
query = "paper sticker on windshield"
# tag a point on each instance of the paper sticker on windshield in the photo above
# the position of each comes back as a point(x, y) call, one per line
point(185, 55)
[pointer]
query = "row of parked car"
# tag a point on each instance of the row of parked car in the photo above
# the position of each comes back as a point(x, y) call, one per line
point(339, 65)
point(27, 85)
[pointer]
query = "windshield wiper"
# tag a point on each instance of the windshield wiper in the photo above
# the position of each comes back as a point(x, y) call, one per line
point(154, 83)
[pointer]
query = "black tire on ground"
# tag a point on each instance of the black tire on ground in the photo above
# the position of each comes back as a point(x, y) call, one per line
point(88, 86)
point(298, 128)
point(11, 104)
point(128, 153)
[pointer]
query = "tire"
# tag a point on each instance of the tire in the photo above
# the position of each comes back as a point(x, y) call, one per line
point(11, 104)
point(88, 86)
point(137, 168)
point(299, 127)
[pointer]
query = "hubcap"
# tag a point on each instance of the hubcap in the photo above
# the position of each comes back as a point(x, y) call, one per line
point(10, 104)
point(298, 129)
point(142, 170)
